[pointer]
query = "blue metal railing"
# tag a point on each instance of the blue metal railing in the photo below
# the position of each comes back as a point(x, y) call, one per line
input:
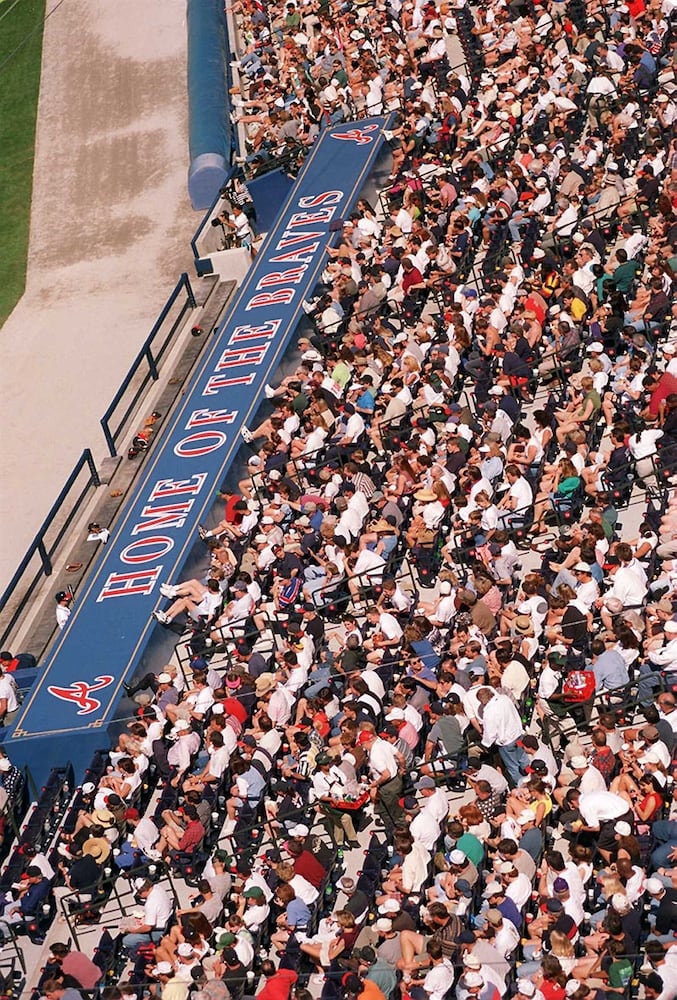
point(40, 547)
point(147, 355)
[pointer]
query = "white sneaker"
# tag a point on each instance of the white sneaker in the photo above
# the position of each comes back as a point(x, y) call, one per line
point(247, 434)
point(161, 617)
point(269, 392)
point(307, 306)
point(167, 590)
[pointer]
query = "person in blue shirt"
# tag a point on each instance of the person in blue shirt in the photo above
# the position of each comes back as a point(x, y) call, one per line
point(294, 917)
point(421, 666)
point(32, 894)
point(364, 399)
point(608, 666)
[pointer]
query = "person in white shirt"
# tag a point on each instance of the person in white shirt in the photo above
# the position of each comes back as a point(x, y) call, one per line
point(350, 522)
point(367, 568)
point(280, 705)
point(253, 907)
point(517, 884)
point(587, 590)
point(385, 784)
point(513, 675)
point(8, 698)
point(602, 808)
point(428, 514)
point(434, 799)
point(591, 780)
point(439, 980)
point(387, 634)
point(627, 587)
point(157, 909)
point(424, 828)
point(63, 612)
point(502, 728)
point(518, 498)
point(197, 600)
point(666, 655)
point(235, 612)
point(506, 936)
point(643, 445)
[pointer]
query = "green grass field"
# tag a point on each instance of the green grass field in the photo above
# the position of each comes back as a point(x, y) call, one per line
point(20, 53)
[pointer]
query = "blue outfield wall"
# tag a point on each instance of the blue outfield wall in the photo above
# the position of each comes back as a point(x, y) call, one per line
point(78, 702)
point(210, 134)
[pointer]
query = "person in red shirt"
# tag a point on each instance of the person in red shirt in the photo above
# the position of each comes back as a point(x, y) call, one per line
point(553, 979)
point(306, 864)
point(412, 278)
point(278, 982)
point(77, 965)
point(175, 837)
point(22, 661)
point(233, 515)
point(660, 387)
point(603, 757)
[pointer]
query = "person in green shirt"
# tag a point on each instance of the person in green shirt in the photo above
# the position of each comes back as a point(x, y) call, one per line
point(471, 847)
point(625, 273)
point(339, 75)
point(292, 18)
point(565, 484)
point(376, 970)
point(342, 371)
point(619, 969)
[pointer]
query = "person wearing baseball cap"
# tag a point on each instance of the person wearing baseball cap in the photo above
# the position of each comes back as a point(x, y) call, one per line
point(253, 908)
point(63, 600)
point(157, 683)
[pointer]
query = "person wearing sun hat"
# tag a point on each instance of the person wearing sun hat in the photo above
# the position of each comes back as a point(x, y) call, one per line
point(428, 513)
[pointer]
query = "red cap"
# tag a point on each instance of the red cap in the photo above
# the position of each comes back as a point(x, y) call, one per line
point(364, 737)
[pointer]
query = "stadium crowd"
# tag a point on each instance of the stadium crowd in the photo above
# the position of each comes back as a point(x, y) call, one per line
point(424, 648)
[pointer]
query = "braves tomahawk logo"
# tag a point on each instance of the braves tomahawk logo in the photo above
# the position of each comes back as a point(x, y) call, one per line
point(359, 135)
point(80, 693)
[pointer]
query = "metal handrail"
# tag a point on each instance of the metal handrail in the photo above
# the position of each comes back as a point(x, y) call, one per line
point(108, 886)
point(147, 355)
point(38, 545)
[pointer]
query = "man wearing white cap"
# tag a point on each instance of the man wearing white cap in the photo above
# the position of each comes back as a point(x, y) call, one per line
point(157, 909)
point(172, 986)
point(526, 990)
point(389, 948)
point(590, 779)
point(666, 655)
point(670, 355)
point(587, 590)
point(663, 914)
point(160, 684)
point(599, 811)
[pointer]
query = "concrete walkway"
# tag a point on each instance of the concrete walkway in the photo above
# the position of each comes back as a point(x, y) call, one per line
point(110, 234)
